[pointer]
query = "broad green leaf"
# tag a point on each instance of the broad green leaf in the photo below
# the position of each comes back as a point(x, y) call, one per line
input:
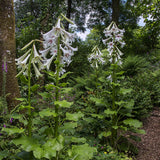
point(27, 144)
point(17, 116)
point(120, 103)
point(81, 152)
point(38, 152)
point(63, 104)
point(130, 104)
point(110, 112)
point(88, 120)
point(35, 87)
point(14, 130)
point(47, 113)
point(98, 116)
point(96, 100)
point(140, 131)
point(78, 140)
point(68, 127)
point(53, 145)
point(20, 117)
point(104, 134)
point(133, 123)
point(115, 127)
point(125, 91)
point(74, 116)
point(45, 95)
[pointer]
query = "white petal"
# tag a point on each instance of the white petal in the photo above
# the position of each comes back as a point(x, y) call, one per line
point(20, 59)
point(45, 52)
point(71, 48)
point(38, 74)
point(48, 62)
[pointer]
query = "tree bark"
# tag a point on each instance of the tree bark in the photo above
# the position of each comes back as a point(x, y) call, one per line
point(69, 3)
point(115, 10)
point(8, 50)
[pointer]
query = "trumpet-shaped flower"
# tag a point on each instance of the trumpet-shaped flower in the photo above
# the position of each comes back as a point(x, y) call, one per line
point(115, 36)
point(22, 64)
point(96, 57)
point(51, 43)
point(23, 56)
point(48, 62)
point(38, 74)
point(35, 58)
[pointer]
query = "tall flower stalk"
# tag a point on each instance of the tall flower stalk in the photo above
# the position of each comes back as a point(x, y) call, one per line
point(114, 39)
point(30, 59)
point(57, 45)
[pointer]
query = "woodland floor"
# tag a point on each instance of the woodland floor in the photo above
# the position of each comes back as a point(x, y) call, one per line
point(149, 147)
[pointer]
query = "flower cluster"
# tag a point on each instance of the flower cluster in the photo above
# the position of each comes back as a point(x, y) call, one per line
point(36, 61)
point(51, 44)
point(96, 57)
point(114, 37)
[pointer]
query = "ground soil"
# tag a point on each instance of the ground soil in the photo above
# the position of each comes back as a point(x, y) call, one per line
point(149, 147)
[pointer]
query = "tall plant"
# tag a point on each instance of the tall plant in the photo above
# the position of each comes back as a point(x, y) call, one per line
point(120, 111)
point(51, 141)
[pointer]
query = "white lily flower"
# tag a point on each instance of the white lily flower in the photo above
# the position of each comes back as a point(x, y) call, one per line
point(71, 48)
point(118, 37)
point(122, 44)
point(22, 71)
point(51, 45)
point(23, 63)
point(38, 74)
point(45, 52)
point(114, 29)
point(36, 57)
point(96, 57)
point(20, 59)
point(62, 71)
point(119, 52)
point(110, 45)
point(48, 62)
point(50, 34)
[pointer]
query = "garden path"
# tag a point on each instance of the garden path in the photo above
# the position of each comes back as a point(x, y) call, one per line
point(149, 147)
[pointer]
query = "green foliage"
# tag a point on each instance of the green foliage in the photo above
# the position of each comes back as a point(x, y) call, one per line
point(81, 152)
point(133, 65)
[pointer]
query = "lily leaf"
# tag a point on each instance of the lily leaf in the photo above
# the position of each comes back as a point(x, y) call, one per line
point(47, 113)
point(14, 130)
point(74, 116)
point(63, 104)
point(133, 123)
point(81, 152)
point(110, 112)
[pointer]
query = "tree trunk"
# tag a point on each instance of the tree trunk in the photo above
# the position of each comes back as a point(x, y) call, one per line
point(115, 10)
point(69, 4)
point(8, 50)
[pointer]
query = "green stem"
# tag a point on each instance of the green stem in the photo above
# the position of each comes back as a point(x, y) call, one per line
point(29, 98)
point(57, 93)
point(114, 116)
